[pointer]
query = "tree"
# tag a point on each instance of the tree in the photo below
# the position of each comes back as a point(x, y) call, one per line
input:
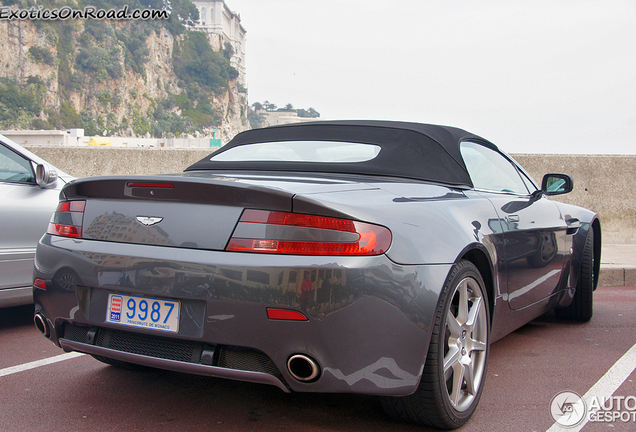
point(256, 106)
point(228, 51)
point(289, 107)
point(269, 106)
point(313, 113)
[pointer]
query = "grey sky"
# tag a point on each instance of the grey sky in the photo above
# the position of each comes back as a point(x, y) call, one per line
point(536, 76)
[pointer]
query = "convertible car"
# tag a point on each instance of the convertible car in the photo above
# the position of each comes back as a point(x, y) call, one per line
point(365, 257)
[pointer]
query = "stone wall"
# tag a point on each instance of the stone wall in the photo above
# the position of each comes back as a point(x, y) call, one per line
point(601, 183)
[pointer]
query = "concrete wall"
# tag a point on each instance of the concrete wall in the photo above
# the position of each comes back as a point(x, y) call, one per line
point(97, 161)
point(603, 183)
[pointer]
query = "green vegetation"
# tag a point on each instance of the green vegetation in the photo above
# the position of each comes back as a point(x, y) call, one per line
point(258, 119)
point(65, 118)
point(99, 62)
point(195, 115)
point(134, 40)
point(42, 55)
point(18, 103)
point(92, 57)
point(196, 63)
point(268, 106)
point(311, 113)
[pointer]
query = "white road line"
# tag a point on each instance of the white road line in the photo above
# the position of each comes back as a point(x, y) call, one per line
point(606, 386)
point(38, 363)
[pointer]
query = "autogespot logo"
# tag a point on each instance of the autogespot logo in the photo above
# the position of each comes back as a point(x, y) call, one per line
point(568, 409)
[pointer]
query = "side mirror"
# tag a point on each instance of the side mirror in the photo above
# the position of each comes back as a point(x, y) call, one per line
point(45, 175)
point(557, 184)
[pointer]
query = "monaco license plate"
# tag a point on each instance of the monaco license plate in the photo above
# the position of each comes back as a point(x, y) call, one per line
point(143, 312)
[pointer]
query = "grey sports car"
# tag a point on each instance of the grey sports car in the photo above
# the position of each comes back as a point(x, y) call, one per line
point(30, 190)
point(351, 256)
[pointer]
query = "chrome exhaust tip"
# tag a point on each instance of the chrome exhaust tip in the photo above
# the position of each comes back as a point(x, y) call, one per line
point(41, 324)
point(303, 368)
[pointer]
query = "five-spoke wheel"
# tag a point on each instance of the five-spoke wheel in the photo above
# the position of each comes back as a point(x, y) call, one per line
point(465, 343)
point(455, 368)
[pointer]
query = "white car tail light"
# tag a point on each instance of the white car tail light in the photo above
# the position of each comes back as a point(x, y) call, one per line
point(67, 219)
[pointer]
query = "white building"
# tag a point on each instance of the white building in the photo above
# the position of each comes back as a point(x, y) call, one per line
point(76, 138)
point(272, 118)
point(222, 25)
point(71, 137)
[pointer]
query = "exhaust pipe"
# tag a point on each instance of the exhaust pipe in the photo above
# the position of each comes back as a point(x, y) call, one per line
point(41, 324)
point(303, 368)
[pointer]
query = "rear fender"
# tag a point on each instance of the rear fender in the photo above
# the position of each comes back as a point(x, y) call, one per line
point(479, 255)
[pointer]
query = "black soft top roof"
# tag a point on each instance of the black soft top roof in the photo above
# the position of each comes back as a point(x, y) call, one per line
point(408, 150)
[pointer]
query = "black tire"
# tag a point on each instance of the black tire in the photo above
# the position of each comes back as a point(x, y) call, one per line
point(118, 363)
point(581, 309)
point(441, 400)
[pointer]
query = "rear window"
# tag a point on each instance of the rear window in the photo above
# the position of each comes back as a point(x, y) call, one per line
point(301, 151)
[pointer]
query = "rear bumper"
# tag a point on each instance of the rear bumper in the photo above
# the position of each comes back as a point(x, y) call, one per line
point(177, 366)
point(369, 320)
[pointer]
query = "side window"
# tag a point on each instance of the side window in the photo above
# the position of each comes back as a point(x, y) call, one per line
point(489, 170)
point(15, 168)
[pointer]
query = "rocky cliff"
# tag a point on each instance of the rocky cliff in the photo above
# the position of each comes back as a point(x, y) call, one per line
point(121, 78)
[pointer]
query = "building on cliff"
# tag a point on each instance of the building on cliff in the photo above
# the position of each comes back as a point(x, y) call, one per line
point(223, 25)
point(273, 118)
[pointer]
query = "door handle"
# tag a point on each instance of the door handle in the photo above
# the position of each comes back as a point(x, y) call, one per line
point(513, 218)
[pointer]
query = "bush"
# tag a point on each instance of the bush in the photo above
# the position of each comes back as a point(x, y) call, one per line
point(95, 59)
point(196, 62)
point(99, 30)
point(65, 118)
point(41, 55)
point(89, 124)
point(134, 40)
point(17, 101)
point(34, 80)
point(40, 124)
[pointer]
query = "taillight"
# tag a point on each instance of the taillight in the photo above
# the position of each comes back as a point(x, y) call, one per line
point(151, 185)
point(285, 315)
point(67, 219)
point(301, 234)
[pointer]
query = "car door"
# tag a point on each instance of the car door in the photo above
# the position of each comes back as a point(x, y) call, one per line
point(533, 230)
point(24, 216)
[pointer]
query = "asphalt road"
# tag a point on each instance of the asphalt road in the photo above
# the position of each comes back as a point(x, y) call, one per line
point(527, 369)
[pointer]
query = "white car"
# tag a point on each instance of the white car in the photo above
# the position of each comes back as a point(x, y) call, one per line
point(29, 189)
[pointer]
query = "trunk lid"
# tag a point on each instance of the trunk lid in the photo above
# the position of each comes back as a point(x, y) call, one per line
point(169, 210)
point(196, 210)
